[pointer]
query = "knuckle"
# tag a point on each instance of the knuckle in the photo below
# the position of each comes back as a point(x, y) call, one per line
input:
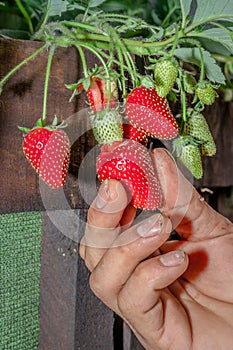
point(95, 285)
point(145, 272)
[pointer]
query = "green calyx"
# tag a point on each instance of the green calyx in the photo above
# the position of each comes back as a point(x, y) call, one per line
point(41, 124)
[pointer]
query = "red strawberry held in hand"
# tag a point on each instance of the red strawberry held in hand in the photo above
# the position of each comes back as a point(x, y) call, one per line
point(146, 110)
point(130, 162)
point(132, 133)
point(97, 94)
point(48, 151)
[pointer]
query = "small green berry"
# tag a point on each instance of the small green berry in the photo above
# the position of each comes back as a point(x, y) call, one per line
point(107, 126)
point(165, 74)
point(206, 94)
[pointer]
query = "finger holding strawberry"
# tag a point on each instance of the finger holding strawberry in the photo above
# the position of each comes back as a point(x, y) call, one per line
point(130, 163)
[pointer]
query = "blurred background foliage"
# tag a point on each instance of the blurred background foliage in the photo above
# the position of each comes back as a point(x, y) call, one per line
point(21, 19)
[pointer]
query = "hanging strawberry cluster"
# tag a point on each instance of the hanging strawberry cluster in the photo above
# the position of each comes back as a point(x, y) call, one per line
point(178, 67)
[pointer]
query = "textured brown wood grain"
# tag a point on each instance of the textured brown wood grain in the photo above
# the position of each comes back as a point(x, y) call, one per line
point(218, 170)
point(21, 103)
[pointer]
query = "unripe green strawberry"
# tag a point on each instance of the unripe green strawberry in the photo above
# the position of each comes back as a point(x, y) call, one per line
point(197, 127)
point(165, 74)
point(191, 158)
point(206, 93)
point(189, 83)
point(107, 126)
point(188, 152)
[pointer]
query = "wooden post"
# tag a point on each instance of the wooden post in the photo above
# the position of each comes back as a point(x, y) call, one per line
point(71, 317)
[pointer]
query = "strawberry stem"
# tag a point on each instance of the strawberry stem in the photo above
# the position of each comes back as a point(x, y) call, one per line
point(98, 55)
point(182, 96)
point(25, 14)
point(26, 60)
point(46, 84)
point(175, 42)
point(202, 71)
point(83, 59)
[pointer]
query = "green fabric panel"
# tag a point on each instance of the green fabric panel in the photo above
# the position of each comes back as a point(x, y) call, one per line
point(20, 251)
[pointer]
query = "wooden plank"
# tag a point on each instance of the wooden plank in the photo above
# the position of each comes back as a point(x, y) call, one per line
point(21, 104)
point(219, 168)
point(71, 317)
point(225, 202)
point(58, 289)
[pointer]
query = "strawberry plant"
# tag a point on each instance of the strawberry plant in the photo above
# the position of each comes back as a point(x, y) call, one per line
point(178, 52)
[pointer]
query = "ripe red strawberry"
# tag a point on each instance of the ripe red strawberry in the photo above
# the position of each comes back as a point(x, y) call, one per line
point(130, 162)
point(132, 133)
point(48, 151)
point(97, 94)
point(146, 110)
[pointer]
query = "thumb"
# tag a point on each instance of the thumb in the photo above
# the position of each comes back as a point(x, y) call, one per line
point(191, 216)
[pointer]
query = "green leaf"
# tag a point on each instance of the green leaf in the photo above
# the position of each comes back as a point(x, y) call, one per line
point(56, 7)
point(214, 47)
point(208, 10)
point(185, 8)
point(220, 35)
point(15, 34)
point(95, 3)
point(192, 55)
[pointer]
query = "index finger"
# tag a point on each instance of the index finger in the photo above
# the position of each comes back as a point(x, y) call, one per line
point(108, 215)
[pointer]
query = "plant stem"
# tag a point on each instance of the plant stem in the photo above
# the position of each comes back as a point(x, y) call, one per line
point(83, 59)
point(46, 84)
point(79, 25)
point(26, 15)
point(42, 27)
point(182, 96)
point(97, 54)
point(33, 55)
point(202, 72)
point(174, 43)
point(128, 42)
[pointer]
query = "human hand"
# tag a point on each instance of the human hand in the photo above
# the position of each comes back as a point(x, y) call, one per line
point(173, 294)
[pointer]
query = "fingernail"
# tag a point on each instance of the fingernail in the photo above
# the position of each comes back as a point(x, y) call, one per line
point(173, 258)
point(150, 227)
point(103, 196)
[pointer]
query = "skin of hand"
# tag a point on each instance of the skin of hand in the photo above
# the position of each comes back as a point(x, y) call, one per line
point(173, 294)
